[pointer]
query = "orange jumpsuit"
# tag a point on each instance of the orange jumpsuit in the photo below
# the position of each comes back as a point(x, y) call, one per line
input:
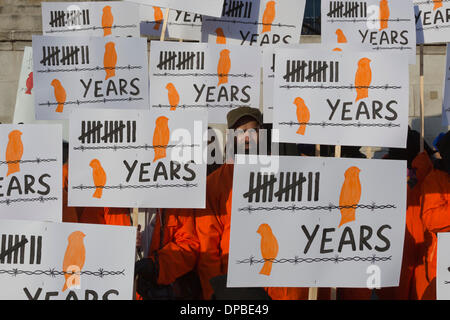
point(213, 230)
point(110, 216)
point(414, 241)
point(179, 248)
point(436, 218)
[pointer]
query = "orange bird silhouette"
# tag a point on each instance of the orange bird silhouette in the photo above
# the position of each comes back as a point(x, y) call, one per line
point(74, 258)
point(437, 4)
point(107, 21)
point(350, 194)
point(220, 36)
point(99, 177)
point(161, 137)
point(14, 151)
point(340, 36)
point(363, 78)
point(268, 16)
point(60, 95)
point(110, 60)
point(29, 83)
point(384, 14)
point(269, 247)
point(337, 49)
point(158, 14)
point(303, 114)
point(174, 97)
point(224, 66)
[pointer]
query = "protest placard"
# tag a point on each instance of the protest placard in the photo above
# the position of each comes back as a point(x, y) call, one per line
point(205, 7)
point(317, 222)
point(200, 76)
point(100, 19)
point(137, 158)
point(380, 25)
point(341, 98)
point(24, 110)
point(88, 72)
point(432, 21)
point(443, 267)
point(31, 172)
point(446, 100)
point(180, 25)
point(66, 261)
point(256, 22)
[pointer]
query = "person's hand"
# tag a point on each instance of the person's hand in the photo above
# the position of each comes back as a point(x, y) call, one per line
point(138, 237)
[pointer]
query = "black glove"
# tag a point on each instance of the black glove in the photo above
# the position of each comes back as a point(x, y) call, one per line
point(146, 285)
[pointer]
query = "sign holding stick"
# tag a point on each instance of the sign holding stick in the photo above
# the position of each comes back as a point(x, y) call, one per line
point(131, 158)
point(88, 72)
point(66, 261)
point(446, 101)
point(384, 26)
point(332, 98)
point(30, 172)
point(256, 22)
point(100, 19)
point(316, 222)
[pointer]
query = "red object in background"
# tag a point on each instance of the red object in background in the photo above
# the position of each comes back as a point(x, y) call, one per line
point(29, 83)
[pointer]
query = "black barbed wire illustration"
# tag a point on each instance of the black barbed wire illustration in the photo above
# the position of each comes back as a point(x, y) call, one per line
point(143, 186)
point(197, 74)
point(37, 161)
point(297, 260)
point(145, 147)
point(366, 20)
point(437, 27)
point(329, 208)
point(78, 102)
point(41, 199)
point(97, 68)
point(100, 273)
point(207, 106)
point(92, 28)
point(280, 25)
point(351, 86)
point(332, 124)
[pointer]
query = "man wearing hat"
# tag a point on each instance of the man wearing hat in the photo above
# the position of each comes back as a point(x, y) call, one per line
point(213, 222)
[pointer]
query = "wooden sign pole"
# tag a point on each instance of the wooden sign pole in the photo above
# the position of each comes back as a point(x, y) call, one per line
point(313, 292)
point(422, 102)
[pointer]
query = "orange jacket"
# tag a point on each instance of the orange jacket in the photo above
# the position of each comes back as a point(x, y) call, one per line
point(435, 215)
point(213, 230)
point(414, 241)
point(110, 216)
point(179, 248)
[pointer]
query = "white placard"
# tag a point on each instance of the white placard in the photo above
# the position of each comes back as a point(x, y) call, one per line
point(31, 172)
point(256, 22)
point(443, 267)
point(100, 19)
point(180, 25)
point(88, 72)
point(206, 7)
point(341, 98)
point(384, 26)
point(101, 258)
point(24, 111)
point(200, 76)
point(317, 222)
point(432, 21)
point(446, 100)
point(137, 159)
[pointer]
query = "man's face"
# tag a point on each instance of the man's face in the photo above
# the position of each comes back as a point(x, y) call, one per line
point(247, 134)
